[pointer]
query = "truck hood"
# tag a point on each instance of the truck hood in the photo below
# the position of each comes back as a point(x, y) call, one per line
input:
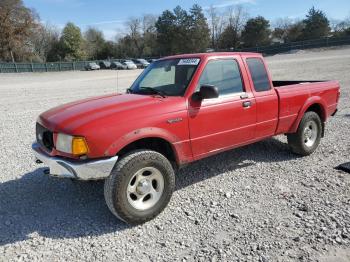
point(70, 117)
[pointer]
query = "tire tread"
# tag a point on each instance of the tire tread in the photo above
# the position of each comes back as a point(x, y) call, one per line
point(295, 139)
point(113, 182)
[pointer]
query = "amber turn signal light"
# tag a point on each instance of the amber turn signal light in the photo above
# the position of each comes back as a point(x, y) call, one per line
point(79, 146)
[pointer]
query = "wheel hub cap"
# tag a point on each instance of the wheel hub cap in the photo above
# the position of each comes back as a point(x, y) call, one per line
point(143, 187)
point(310, 133)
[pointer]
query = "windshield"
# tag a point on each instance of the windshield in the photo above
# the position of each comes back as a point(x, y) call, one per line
point(168, 77)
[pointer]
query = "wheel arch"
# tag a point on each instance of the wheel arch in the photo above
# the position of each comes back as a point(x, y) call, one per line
point(314, 104)
point(155, 139)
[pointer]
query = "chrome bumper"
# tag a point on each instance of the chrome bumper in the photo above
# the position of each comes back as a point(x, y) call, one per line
point(83, 170)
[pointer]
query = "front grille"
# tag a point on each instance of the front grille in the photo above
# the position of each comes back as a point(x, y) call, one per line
point(44, 137)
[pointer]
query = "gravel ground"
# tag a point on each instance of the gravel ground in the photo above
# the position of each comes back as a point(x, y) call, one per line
point(257, 203)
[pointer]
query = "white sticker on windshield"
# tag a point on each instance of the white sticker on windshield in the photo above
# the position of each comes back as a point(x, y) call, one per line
point(189, 61)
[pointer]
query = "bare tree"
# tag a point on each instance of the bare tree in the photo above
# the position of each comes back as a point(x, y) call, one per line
point(134, 26)
point(282, 27)
point(140, 39)
point(283, 23)
point(43, 41)
point(216, 25)
point(213, 20)
point(341, 28)
point(236, 18)
point(148, 23)
point(149, 32)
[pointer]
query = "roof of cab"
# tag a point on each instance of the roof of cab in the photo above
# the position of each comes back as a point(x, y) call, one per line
point(206, 55)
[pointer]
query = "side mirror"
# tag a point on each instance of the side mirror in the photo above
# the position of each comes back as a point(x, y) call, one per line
point(206, 92)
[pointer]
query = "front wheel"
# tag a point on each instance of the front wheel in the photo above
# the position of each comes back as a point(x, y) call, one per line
point(140, 186)
point(308, 136)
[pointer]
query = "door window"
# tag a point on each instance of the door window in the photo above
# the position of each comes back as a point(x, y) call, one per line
point(224, 74)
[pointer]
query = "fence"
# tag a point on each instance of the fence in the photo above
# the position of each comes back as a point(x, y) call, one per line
point(267, 50)
point(287, 47)
point(42, 67)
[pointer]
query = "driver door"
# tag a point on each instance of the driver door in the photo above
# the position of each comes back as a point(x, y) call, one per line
point(222, 123)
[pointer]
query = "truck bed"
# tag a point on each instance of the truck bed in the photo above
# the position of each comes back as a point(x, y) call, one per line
point(286, 83)
point(294, 95)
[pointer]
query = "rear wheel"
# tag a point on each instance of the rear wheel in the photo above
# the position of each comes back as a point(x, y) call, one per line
point(139, 186)
point(308, 136)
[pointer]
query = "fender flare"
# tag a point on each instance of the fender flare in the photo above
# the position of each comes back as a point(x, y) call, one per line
point(148, 132)
point(315, 100)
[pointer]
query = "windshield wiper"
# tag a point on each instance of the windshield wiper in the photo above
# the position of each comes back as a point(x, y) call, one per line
point(129, 91)
point(154, 91)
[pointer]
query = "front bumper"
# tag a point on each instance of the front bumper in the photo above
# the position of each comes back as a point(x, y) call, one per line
point(77, 169)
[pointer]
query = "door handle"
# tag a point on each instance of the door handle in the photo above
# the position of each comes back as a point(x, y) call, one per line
point(246, 104)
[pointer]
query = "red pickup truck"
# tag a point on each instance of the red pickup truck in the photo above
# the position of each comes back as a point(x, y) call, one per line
point(180, 109)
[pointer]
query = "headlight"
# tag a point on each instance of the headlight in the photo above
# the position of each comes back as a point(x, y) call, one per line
point(71, 144)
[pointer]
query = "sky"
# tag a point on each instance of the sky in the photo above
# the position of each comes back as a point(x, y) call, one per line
point(110, 15)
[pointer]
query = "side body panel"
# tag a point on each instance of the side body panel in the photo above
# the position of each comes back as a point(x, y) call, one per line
point(221, 123)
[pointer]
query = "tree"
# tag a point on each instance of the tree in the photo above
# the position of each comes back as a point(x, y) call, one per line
point(43, 41)
point(342, 28)
point(280, 32)
point(94, 43)
point(141, 39)
point(72, 42)
point(182, 32)
point(230, 38)
point(149, 35)
point(216, 22)
point(135, 35)
point(56, 53)
point(256, 32)
point(108, 50)
point(295, 32)
point(316, 25)
point(166, 30)
point(198, 33)
point(17, 25)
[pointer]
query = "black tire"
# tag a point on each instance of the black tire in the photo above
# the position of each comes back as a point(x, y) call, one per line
point(297, 141)
point(116, 185)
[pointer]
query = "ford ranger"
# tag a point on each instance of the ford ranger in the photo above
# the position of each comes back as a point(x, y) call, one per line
point(180, 109)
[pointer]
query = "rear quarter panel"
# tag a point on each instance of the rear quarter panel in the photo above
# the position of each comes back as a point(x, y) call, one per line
point(296, 99)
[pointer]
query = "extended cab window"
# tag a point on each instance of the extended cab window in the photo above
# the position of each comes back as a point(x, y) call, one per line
point(259, 74)
point(224, 74)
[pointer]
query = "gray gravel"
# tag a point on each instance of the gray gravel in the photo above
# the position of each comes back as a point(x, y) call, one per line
point(257, 203)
